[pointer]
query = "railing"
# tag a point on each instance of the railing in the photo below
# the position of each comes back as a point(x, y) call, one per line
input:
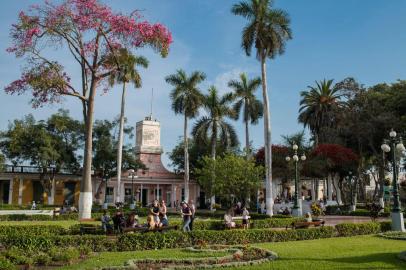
point(34, 169)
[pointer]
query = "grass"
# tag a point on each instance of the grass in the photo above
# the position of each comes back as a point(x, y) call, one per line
point(361, 252)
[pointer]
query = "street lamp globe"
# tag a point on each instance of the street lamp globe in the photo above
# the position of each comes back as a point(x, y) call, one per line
point(392, 133)
point(385, 148)
point(295, 158)
point(287, 159)
point(303, 157)
point(295, 147)
point(131, 171)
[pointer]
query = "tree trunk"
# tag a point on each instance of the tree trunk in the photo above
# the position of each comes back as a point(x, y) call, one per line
point(120, 144)
point(86, 196)
point(267, 140)
point(247, 141)
point(381, 176)
point(51, 194)
point(186, 151)
point(213, 156)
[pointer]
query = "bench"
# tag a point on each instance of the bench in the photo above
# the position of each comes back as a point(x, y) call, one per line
point(306, 224)
point(146, 229)
point(87, 228)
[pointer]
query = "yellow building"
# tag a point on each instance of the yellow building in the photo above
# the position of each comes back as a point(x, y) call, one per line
point(21, 185)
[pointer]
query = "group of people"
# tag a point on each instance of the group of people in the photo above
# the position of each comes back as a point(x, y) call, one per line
point(157, 218)
point(238, 212)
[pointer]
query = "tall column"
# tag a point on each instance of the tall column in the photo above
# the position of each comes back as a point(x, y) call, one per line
point(142, 187)
point(157, 192)
point(329, 188)
point(313, 191)
point(20, 191)
point(10, 192)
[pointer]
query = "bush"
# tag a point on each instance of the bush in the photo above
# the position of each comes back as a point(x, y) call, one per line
point(18, 256)
point(42, 258)
point(65, 255)
point(33, 229)
point(6, 264)
point(127, 242)
point(349, 229)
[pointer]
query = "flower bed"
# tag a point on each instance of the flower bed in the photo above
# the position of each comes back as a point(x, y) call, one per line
point(239, 256)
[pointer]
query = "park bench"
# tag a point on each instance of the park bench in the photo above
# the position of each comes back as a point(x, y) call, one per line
point(88, 228)
point(237, 225)
point(146, 230)
point(306, 224)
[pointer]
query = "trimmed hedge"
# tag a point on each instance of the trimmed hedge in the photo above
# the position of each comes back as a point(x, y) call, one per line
point(351, 229)
point(33, 230)
point(128, 242)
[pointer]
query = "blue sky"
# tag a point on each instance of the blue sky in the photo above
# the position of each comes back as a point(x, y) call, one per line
point(331, 39)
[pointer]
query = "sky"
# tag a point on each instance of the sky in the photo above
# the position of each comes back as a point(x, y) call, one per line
point(331, 39)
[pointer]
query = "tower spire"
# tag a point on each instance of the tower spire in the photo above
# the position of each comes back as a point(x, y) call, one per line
point(152, 99)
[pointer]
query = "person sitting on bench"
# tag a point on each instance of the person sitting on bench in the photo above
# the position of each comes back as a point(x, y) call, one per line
point(105, 220)
point(308, 217)
point(228, 220)
point(151, 224)
point(132, 221)
point(119, 222)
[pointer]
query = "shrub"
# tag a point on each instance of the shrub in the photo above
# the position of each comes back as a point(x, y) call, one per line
point(42, 258)
point(349, 229)
point(174, 239)
point(6, 264)
point(65, 255)
point(33, 229)
point(18, 256)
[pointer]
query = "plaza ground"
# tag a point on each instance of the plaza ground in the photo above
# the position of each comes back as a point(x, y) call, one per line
point(360, 252)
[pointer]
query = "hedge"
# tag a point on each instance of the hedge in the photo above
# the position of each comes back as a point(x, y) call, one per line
point(33, 229)
point(351, 229)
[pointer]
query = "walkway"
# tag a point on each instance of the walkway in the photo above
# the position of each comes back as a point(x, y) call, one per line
point(334, 220)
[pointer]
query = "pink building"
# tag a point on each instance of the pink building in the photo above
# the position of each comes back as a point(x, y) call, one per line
point(154, 183)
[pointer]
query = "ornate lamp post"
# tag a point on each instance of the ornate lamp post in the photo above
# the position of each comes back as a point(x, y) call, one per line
point(395, 143)
point(131, 172)
point(105, 204)
point(297, 204)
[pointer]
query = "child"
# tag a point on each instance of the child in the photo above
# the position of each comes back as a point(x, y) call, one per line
point(245, 217)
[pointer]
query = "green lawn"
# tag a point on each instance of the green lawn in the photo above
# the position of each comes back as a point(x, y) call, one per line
point(64, 223)
point(361, 252)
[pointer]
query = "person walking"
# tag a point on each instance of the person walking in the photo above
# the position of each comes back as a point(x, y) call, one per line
point(192, 217)
point(186, 214)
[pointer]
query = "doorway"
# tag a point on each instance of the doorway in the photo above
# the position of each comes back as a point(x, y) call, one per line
point(4, 191)
point(69, 192)
point(38, 192)
point(144, 197)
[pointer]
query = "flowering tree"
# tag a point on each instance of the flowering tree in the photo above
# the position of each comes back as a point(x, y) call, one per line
point(89, 31)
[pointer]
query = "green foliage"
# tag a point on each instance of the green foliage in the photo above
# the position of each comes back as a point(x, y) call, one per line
point(65, 255)
point(18, 256)
point(316, 209)
point(351, 229)
point(6, 264)
point(230, 175)
point(33, 229)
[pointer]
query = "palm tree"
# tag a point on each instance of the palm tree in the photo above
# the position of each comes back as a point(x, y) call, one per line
point(268, 30)
point(126, 73)
point(213, 128)
point(318, 108)
point(186, 99)
point(244, 91)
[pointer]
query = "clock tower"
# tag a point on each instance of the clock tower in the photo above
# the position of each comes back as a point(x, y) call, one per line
point(148, 146)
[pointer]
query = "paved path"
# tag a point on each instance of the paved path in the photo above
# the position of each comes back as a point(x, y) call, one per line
point(27, 212)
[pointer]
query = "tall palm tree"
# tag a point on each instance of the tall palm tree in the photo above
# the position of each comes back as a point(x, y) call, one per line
point(126, 73)
point(186, 99)
point(267, 30)
point(318, 108)
point(244, 91)
point(213, 128)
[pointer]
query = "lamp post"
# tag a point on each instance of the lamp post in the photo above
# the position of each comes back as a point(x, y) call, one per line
point(395, 143)
point(297, 205)
point(105, 204)
point(131, 172)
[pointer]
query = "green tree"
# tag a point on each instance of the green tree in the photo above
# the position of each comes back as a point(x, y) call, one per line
point(319, 107)
point(235, 177)
point(267, 30)
point(213, 128)
point(126, 73)
point(2, 162)
point(244, 91)
point(48, 145)
point(186, 99)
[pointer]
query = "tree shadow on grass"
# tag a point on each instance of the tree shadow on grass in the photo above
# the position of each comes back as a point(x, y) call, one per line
point(357, 262)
